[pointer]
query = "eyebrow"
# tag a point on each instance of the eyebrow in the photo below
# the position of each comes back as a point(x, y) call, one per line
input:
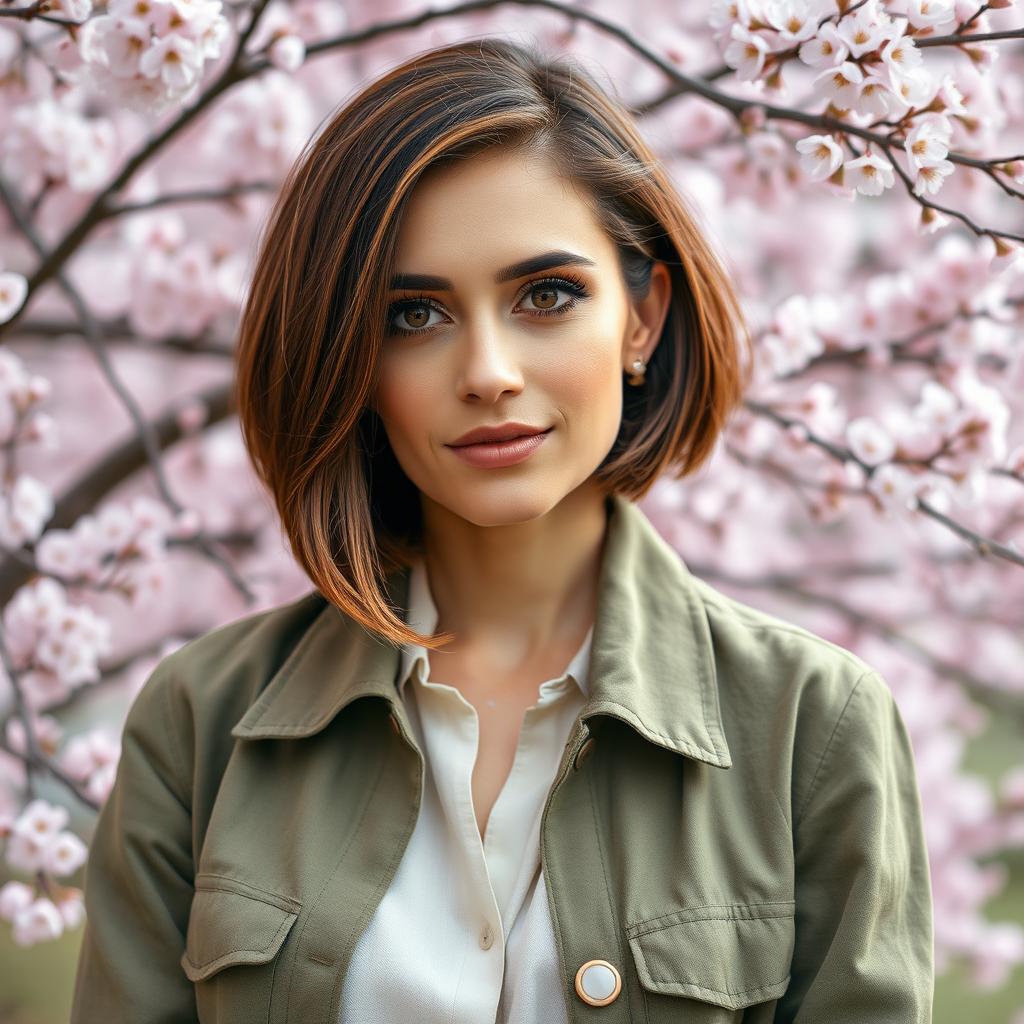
point(543, 261)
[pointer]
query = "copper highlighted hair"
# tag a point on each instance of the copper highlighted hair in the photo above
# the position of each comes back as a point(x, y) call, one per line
point(313, 324)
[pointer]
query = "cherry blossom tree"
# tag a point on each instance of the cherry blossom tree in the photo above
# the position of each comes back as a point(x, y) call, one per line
point(859, 164)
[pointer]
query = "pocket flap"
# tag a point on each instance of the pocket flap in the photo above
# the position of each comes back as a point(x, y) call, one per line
point(232, 922)
point(732, 955)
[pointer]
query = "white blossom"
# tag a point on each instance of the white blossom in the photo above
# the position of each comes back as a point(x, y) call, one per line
point(821, 157)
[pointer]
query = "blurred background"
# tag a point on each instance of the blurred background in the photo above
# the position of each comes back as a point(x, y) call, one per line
point(859, 169)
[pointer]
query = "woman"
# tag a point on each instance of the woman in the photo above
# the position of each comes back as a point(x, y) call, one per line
point(509, 760)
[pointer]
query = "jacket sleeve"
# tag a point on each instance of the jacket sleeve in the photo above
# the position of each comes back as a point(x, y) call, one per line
point(864, 935)
point(139, 874)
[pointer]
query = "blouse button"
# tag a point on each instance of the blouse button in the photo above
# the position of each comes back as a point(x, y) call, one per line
point(598, 983)
point(486, 937)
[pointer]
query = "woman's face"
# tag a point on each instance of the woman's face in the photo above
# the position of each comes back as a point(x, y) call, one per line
point(545, 347)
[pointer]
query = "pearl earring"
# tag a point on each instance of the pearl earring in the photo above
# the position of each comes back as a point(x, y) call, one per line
point(637, 376)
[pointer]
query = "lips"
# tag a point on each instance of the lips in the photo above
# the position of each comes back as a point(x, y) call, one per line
point(500, 454)
point(496, 435)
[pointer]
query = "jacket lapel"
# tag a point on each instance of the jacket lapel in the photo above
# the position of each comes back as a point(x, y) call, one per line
point(652, 661)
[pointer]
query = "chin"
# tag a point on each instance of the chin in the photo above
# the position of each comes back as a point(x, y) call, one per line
point(503, 506)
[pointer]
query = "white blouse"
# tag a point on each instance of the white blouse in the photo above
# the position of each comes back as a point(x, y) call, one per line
point(463, 934)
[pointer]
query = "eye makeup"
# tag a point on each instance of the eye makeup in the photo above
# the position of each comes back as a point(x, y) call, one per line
point(567, 282)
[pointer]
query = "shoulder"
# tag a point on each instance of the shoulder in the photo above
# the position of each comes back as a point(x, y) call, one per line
point(781, 683)
point(206, 684)
point(749, 640)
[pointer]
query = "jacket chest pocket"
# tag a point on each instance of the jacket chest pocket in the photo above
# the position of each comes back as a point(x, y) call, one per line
point(235, 933)
point(715, 964)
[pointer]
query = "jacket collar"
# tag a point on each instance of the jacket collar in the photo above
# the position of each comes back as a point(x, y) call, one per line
point(651, 660)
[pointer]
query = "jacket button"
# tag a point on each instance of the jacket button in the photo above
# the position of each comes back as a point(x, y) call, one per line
point(393, 722)
point(598, 983)
point(584, 752)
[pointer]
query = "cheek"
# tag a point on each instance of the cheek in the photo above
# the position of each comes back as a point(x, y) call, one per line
point(402, 398)
point(587, 379)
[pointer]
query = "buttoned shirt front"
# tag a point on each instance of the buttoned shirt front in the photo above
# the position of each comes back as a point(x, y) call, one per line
point(464, 932)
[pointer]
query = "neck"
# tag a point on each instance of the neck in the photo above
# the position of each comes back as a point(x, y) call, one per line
point(520, 589)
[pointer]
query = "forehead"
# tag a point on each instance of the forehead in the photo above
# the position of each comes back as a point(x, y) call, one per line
point(493, 208)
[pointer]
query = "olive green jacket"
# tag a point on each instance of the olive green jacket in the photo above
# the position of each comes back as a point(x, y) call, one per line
point(743, 840)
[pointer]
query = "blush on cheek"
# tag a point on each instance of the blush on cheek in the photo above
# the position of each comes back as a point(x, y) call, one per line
point(594, 376)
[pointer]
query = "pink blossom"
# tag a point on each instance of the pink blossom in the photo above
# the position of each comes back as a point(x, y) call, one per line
point(930, 178)
point(746, 53)
point(58, 552)
point(869, 441)
point(840, 85)
point(71, 907)
point(795, 21)
point(65, 855)
point(122, 42)
point(175, 60)
point(100, 782)
point(287, 53)
point(46, 728)
point(901, 54)
point(914, 86)
point(865, 29)
point(14, 897)
point(869, 174)
point(876, 97)
point(948, 94)
point(70, 10)
point(40, 922)
point(13, 289)
point(928, 141)
point(88, 751)
point(826, 49)
point(24, 511)
point(894, 486)
point(821, 155)
point(928, 13)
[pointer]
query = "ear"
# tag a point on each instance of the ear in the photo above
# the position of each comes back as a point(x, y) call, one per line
point(647, 316)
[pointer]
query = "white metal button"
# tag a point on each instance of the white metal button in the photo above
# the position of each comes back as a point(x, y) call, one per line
point(486, 937)
point(598, 983)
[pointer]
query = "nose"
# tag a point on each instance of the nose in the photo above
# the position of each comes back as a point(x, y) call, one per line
point(488, 363)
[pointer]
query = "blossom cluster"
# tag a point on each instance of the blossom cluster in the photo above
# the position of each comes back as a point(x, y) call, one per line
point(150, 55)
point(865, 66)
point(49, 142)
point(37, 841)
point(940, 292)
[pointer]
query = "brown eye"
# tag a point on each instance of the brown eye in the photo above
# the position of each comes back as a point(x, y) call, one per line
point(415, 316)
point(411, 316)
point(545, 296)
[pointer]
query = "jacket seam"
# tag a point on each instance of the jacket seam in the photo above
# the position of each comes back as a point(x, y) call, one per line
point(636, 925)
point(751, 621)
point(824, 754)
point(175, 747)
point(607, 888)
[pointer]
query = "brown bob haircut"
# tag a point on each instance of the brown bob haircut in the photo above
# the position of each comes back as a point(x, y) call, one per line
point(313, 324)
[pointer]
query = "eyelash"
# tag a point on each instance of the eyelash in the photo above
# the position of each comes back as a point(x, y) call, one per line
point(569, 283)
